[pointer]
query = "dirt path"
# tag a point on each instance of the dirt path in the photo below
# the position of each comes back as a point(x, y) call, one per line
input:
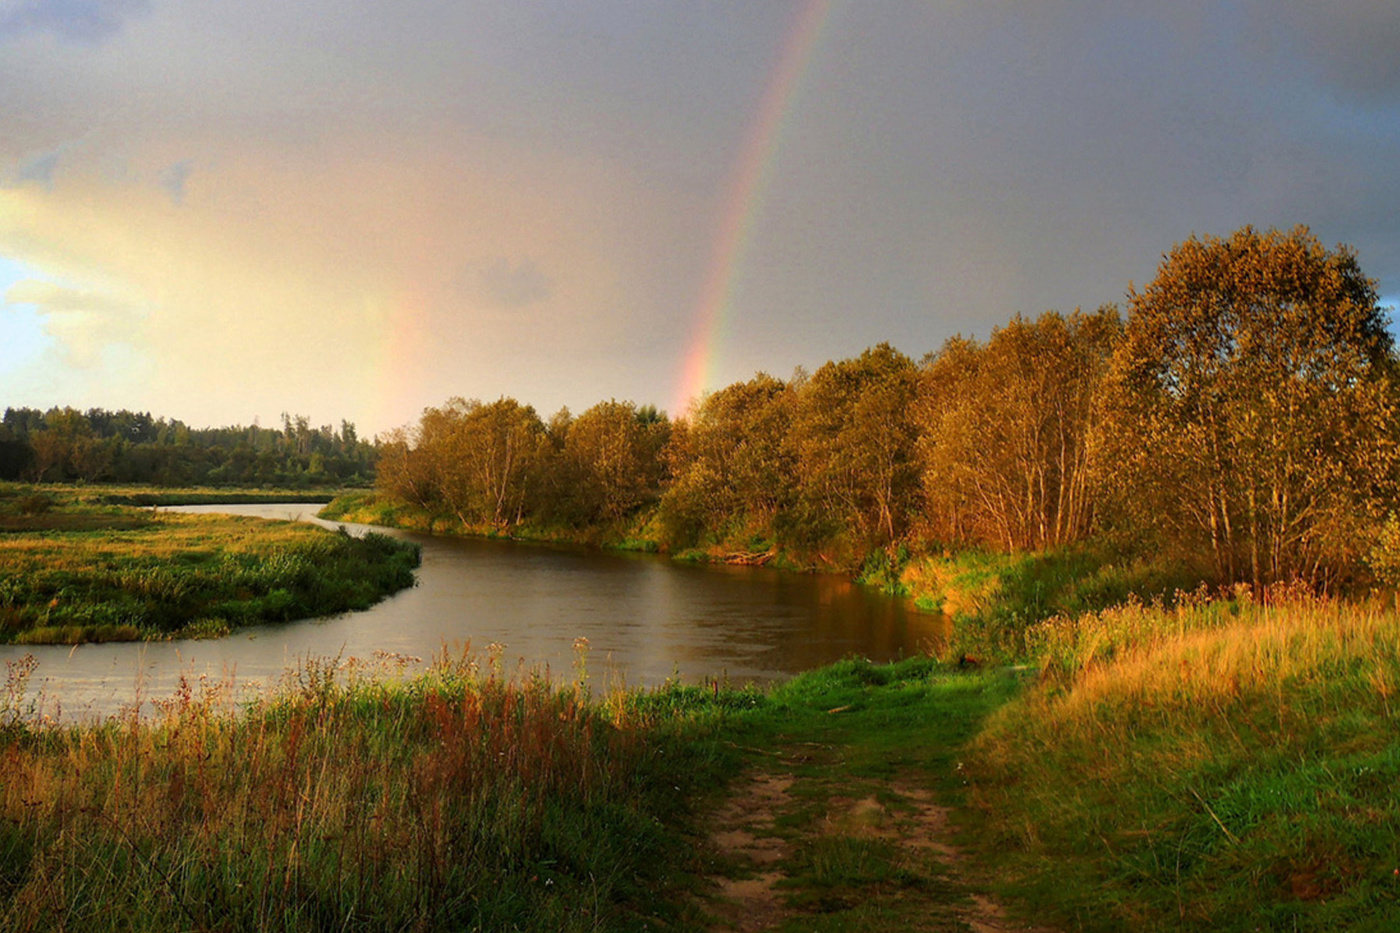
point(801, 848)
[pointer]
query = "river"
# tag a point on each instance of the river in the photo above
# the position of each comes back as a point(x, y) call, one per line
point(645, 618)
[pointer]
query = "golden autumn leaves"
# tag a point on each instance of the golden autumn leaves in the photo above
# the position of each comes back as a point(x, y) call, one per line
point(1245, 409)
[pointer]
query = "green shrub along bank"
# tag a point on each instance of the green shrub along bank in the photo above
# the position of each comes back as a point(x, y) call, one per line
point(996, 599)
point(71, 571)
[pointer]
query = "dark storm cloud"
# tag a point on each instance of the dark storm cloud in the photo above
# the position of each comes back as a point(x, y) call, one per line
point(1352, 46)
point(937, 166)
point(86, 21)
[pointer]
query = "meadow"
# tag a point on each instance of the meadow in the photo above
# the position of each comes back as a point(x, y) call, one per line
point(1115, 752)
point(73, 569)
point(1226, 764)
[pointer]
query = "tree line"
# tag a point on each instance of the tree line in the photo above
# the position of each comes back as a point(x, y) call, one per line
point(67, 445)
point(1242, 408)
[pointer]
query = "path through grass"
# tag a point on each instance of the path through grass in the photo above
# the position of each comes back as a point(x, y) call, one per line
point(840, 821)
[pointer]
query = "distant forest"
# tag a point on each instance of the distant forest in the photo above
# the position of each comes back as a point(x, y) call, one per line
point(99, 446)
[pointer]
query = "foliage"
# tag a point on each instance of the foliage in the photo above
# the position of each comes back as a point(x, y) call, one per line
point(730, 465)
point(1250, 409)
point(66, 445)
point(611, 460)
point(854, 440)
point(1007, 448)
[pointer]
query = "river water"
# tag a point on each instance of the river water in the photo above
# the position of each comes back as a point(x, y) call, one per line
point(645, 618)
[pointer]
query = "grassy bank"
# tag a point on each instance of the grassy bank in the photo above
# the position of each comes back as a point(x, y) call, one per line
point(73, 571)
point(1220, 766)
point(369, 508)
point(354, 800)
point(996, 600)
point(146, 496)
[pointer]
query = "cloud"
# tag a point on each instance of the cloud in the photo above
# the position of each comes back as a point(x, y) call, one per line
point(1351, 45)
point(83, 324)
point(503, 284)
point(81, 21)
point(38, 170)
point(173, 180)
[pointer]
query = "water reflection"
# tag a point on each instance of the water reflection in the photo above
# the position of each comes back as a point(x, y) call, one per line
point(646, 618)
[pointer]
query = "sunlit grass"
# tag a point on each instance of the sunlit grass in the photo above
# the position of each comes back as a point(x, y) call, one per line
point(71, 571)
point(995, 600)
point(1220, 765)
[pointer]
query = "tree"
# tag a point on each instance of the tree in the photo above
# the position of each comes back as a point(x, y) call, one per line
point(854, 440)
point(481, 459)
point(730, 468)
point(1006, 448)
point(613, 453)
point(1251, 404)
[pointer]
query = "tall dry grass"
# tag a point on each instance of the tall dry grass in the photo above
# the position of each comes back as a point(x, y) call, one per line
point(1225, 764)
point(352, 799)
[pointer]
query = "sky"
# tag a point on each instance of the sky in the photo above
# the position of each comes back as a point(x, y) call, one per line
point(220, 212)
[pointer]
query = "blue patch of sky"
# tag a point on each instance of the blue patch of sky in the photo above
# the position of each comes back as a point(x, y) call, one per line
point(83, 21)
point(173, 180)
point(23, 339)
point(1391, 305)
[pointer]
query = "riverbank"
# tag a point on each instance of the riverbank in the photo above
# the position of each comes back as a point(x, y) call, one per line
point(73, 569)
point(636, 534)
point(1224, 765)
point(354, 799)
point(458, 799)
point(991, 599)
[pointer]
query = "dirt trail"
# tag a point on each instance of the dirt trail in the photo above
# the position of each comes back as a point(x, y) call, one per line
point(744, 833)
point(772, 831)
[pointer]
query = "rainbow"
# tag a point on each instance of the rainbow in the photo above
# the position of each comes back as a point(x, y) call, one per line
point(743, 205)
point(400, 325)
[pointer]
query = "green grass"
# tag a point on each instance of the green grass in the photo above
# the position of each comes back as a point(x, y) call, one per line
point(1218, 766)
point(994, 599)
point(866, 747)
point(147, 496)
point(356, 799)
point(73, 571)
point(1225, 763)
